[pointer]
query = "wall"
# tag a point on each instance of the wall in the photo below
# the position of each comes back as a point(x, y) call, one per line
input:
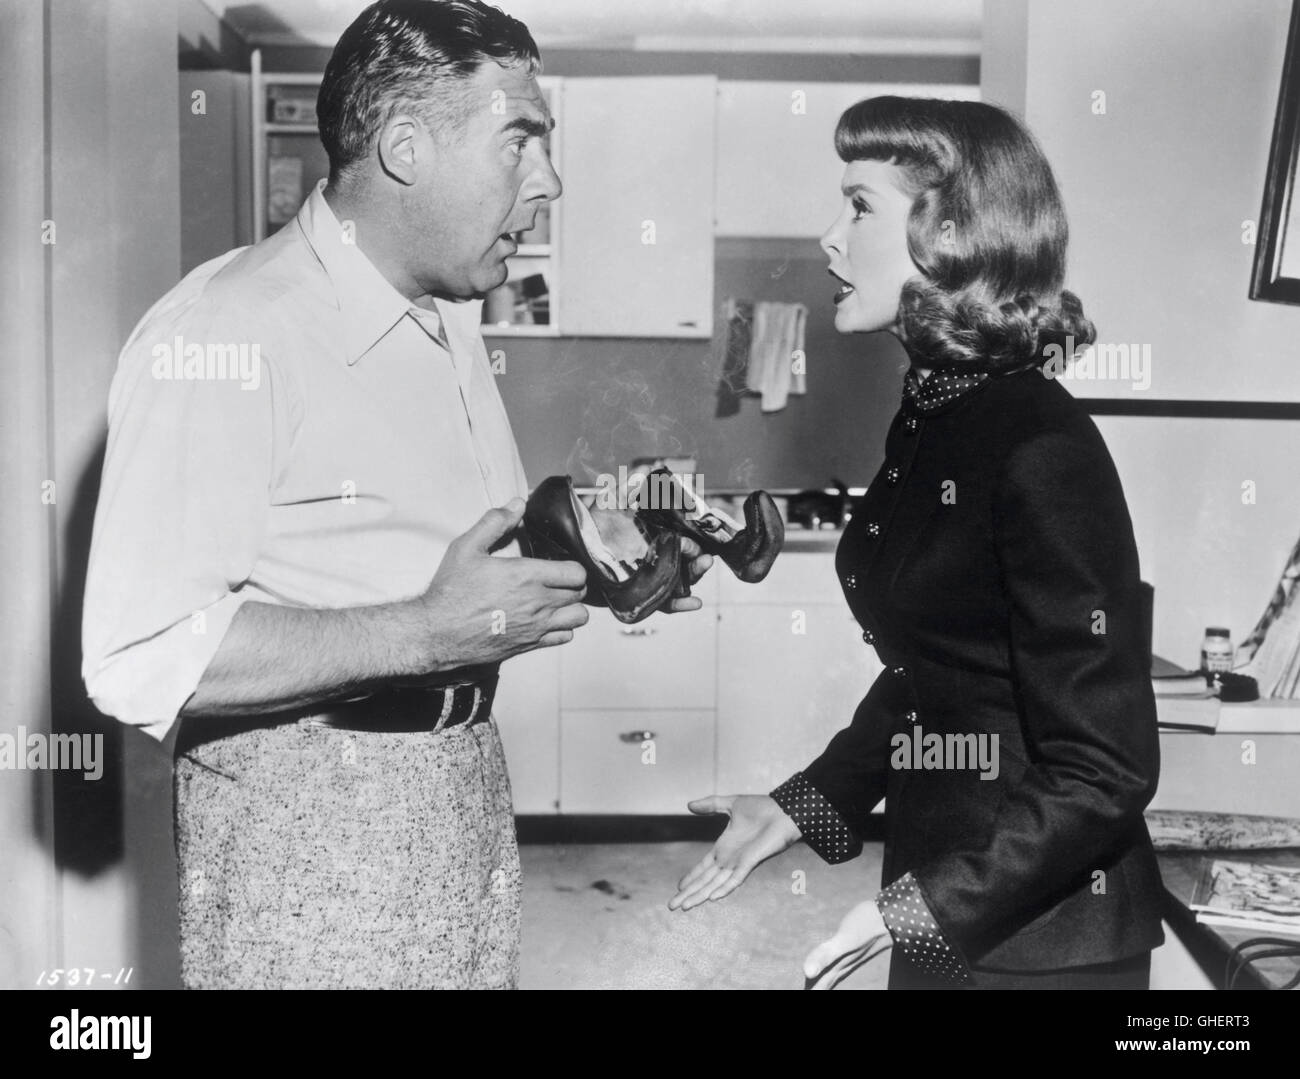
point(1157, 189)
point(90, 91)
point(584, 405)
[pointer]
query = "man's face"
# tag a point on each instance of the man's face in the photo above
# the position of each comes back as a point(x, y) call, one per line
point(482, 181)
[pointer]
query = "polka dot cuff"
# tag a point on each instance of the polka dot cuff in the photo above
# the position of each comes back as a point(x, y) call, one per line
point(916, 934)
point(823, 829)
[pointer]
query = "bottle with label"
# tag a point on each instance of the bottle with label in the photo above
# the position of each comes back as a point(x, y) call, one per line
point(1216, 650)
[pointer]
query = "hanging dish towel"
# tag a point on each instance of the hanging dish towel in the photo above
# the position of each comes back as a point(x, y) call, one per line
point(778, 339)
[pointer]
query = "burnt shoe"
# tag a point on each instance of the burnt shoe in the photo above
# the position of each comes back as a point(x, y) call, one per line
point(559, 527)
point(748, 550)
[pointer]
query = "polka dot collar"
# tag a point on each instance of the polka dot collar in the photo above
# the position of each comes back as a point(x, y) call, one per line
point(942, 387)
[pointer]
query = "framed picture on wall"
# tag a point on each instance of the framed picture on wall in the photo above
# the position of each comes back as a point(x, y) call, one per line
point(1276, 275)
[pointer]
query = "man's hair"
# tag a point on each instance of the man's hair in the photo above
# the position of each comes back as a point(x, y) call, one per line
point(987, 230)
point(411, 55)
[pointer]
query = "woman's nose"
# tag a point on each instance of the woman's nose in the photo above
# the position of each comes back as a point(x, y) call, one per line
point(830, 242)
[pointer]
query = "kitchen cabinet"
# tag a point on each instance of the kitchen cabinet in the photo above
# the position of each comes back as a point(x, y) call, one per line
point(527, 713)
point(730, 699)
point(622, 761)
point(792, 667)
point(777, 170)
point(627, 251)
point(796, 675)
point(667, 661)
point(636, 239)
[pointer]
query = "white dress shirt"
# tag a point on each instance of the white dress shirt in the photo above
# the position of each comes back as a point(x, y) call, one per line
point(286, 427)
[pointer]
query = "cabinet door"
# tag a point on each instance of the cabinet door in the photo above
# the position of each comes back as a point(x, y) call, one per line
point(623, 761)
point(789, 677)
point(527, 713)
point(667, 661)
point(636, 236)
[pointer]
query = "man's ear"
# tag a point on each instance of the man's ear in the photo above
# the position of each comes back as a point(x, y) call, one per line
point(400, 143)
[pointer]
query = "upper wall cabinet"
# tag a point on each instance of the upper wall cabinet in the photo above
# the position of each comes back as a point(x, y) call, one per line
point(778, 173)
point(636, 236)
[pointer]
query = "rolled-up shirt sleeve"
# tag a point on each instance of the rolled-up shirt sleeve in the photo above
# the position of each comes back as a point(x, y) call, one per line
point(182, 511)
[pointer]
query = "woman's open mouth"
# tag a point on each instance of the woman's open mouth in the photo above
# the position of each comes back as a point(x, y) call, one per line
point(845, 288)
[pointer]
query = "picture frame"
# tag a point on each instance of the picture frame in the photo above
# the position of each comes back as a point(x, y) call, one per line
point(1276, 274)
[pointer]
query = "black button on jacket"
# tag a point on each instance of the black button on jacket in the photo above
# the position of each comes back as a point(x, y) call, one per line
point(1002, 575)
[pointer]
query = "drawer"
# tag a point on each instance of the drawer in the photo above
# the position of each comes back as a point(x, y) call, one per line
point(667, 661)
point(606, 765)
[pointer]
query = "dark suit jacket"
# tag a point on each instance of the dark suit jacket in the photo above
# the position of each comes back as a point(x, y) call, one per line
point(993, 566)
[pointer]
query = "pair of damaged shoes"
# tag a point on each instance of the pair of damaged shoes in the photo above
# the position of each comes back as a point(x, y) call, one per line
point(636, 568)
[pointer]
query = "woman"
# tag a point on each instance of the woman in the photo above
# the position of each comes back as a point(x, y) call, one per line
point(992, 565)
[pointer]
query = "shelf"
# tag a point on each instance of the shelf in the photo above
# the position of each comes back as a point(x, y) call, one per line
point(289, 129)
point(522, 330)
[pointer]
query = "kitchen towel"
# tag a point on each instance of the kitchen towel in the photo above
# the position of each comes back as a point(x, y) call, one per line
point(776, 350)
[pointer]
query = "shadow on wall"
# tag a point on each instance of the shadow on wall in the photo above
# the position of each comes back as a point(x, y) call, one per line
point(121, 823)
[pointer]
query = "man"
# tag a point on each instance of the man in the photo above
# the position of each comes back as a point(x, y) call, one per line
point(294, 553)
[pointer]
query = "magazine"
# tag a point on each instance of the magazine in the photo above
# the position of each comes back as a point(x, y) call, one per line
point(1248, 895)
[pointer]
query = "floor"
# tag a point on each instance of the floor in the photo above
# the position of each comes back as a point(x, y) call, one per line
point(596, 917)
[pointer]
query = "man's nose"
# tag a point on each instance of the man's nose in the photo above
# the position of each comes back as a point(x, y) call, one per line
point(549, 185)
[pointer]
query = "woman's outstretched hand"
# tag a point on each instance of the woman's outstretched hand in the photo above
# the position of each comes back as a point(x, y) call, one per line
point(758, 829)
point(862, 935)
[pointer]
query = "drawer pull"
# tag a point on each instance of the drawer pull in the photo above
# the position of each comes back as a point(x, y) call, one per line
point(638, 631)
point(636, 737)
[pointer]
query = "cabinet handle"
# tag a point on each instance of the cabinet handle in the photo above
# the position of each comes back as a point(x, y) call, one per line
point(636, 737)
point(638, 631)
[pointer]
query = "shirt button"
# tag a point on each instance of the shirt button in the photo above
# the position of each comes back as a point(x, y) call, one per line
point(850, 580)
point(868, 636)
point(893, 476)
point(911, 424)
point(873, 529)
point(911, 717)
point(898, 672)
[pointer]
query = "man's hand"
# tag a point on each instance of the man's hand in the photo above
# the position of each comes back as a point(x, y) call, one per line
point(697, 565)
point(861, 937)
point(758, 829)
point(483, 609)
point(621, 535)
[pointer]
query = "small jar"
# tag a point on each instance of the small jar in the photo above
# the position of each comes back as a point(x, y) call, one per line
point(1216, 650)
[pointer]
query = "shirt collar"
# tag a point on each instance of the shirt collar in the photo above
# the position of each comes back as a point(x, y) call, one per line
point(369, 304)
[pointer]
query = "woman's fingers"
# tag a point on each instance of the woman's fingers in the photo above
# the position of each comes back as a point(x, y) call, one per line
point(702, 866)
point(698, 892)
point(727, 883)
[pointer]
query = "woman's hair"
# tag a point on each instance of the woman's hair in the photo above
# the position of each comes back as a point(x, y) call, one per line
point(987, 230)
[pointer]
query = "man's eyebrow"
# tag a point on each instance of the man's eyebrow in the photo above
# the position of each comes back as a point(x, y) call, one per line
point(530, 126)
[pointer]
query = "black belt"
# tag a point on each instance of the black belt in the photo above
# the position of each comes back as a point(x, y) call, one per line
point(414, 710)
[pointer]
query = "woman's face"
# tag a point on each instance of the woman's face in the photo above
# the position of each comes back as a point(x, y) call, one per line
point(867, 246)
